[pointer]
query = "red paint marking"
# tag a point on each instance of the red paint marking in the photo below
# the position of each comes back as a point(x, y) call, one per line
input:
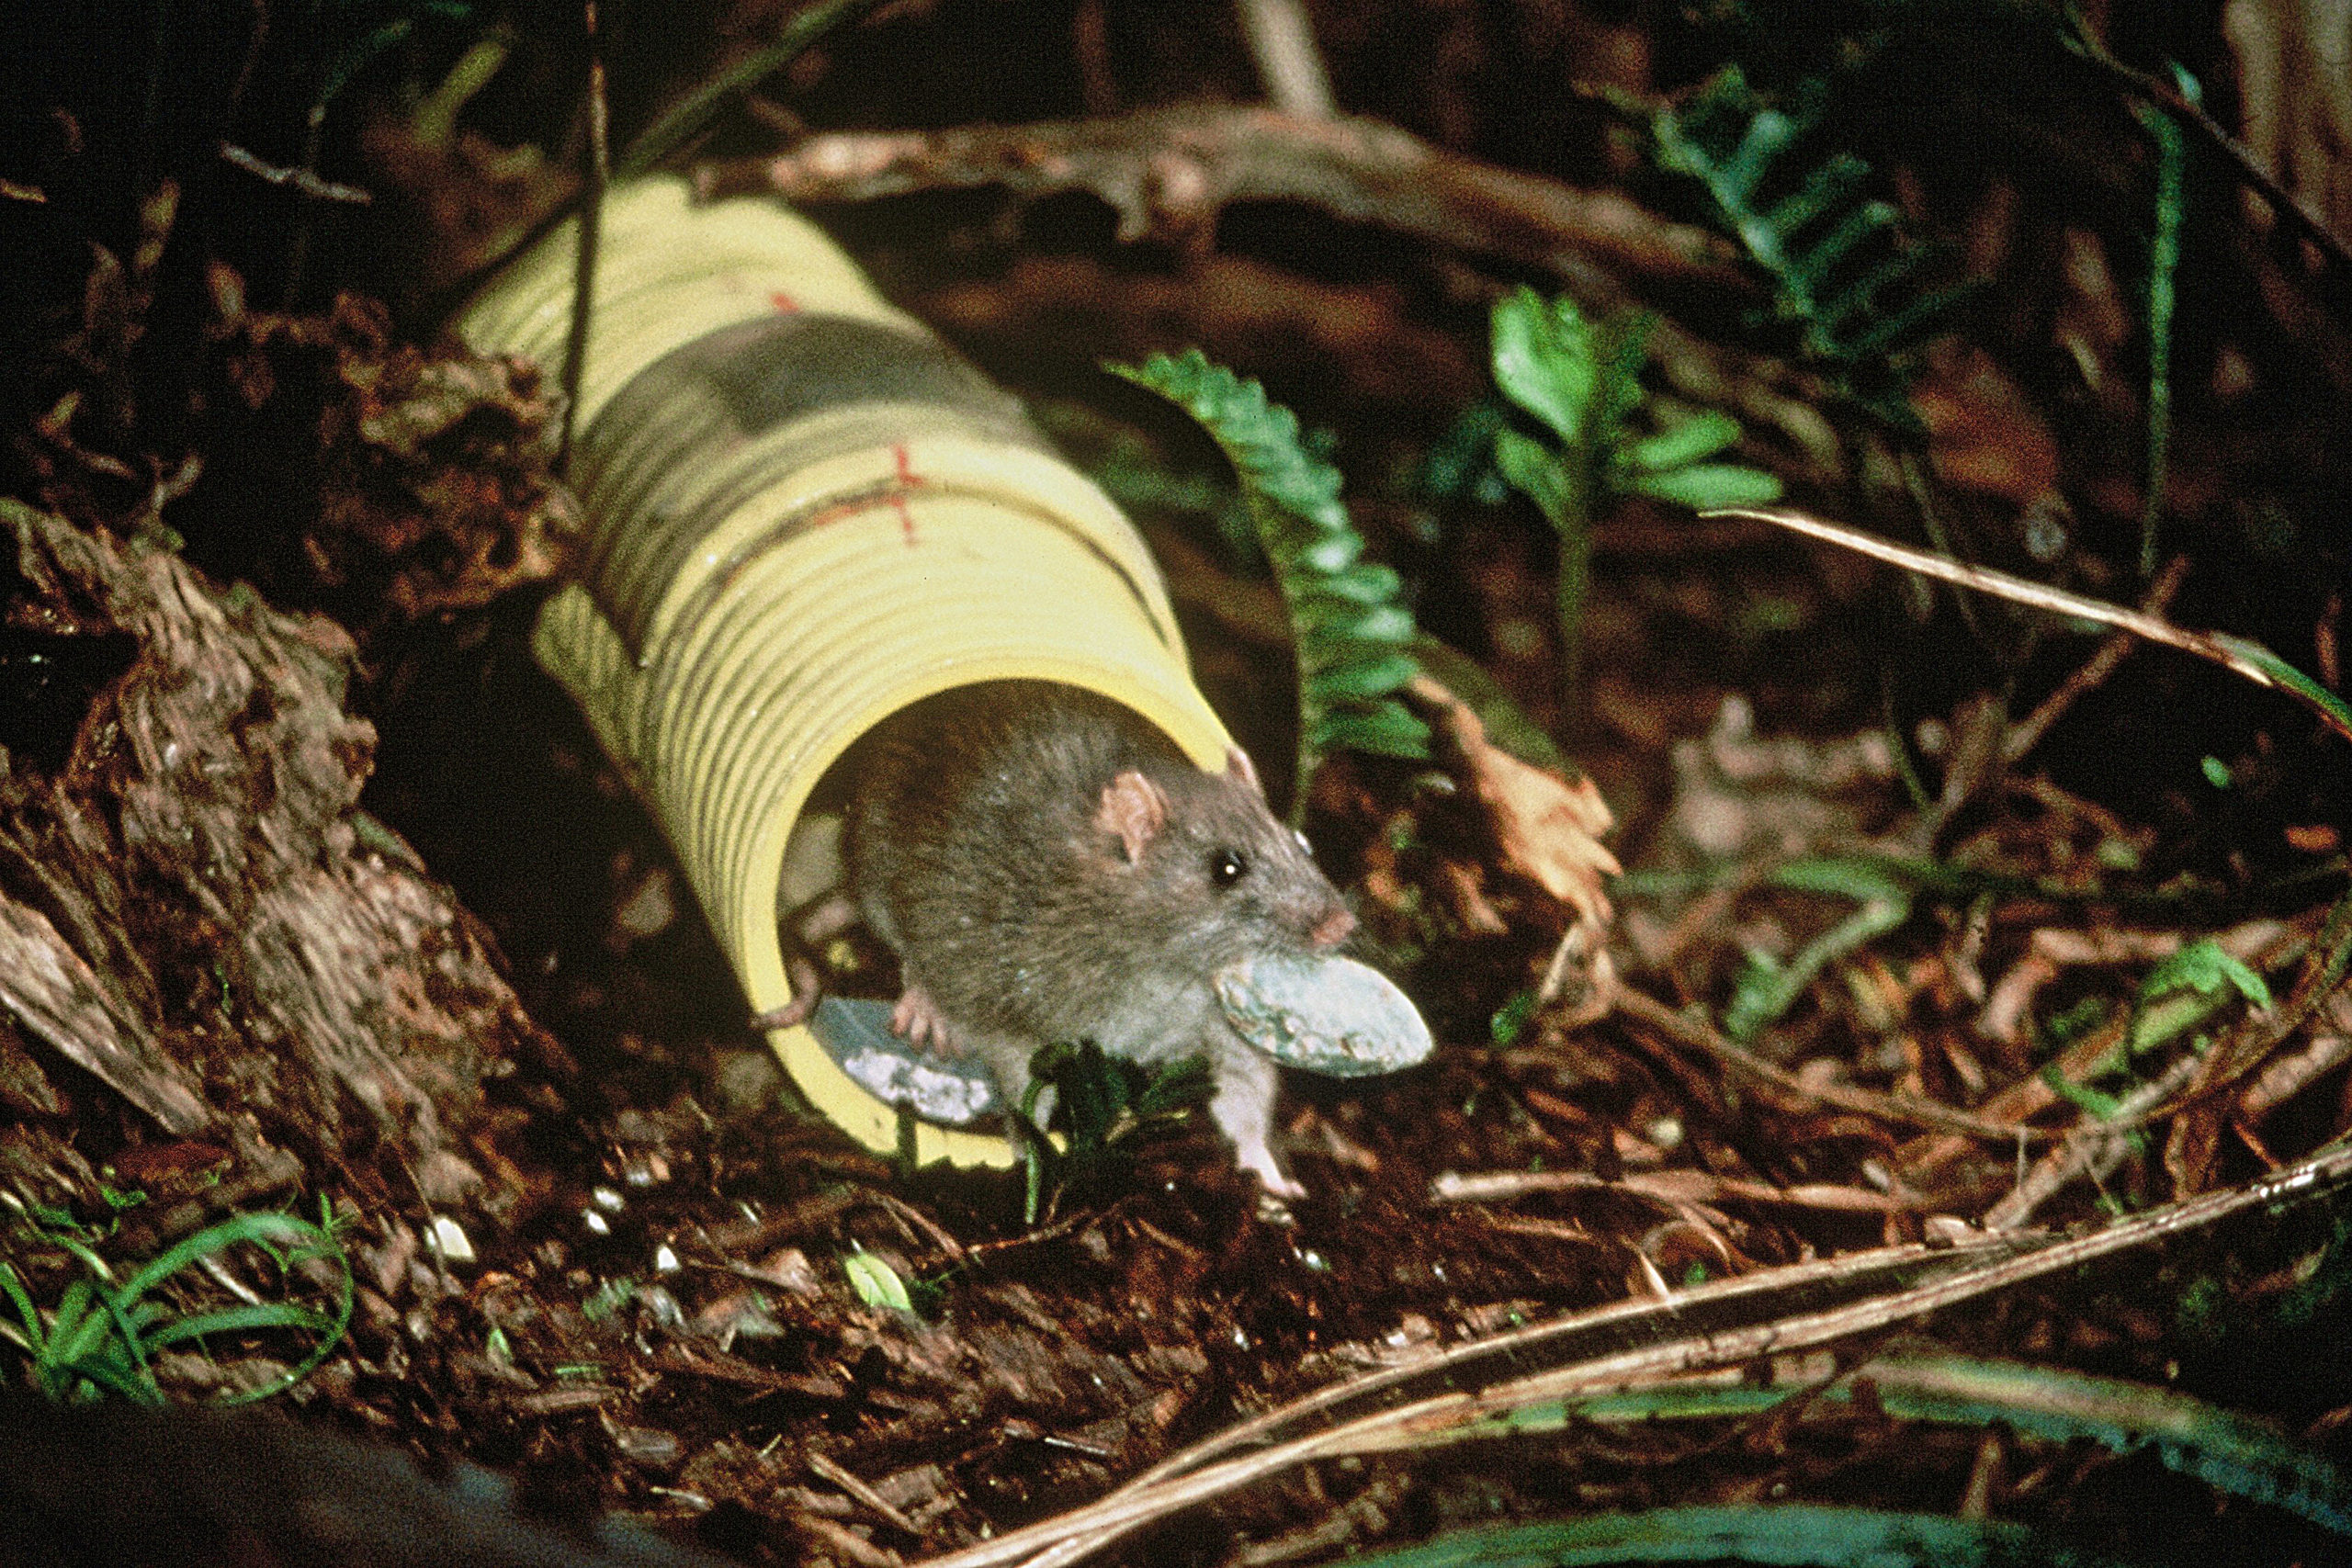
point(909, 480)
point(785, 303)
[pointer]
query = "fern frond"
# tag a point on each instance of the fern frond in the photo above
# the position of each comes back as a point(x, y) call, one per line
point(1350, 628)
point(1813, 240)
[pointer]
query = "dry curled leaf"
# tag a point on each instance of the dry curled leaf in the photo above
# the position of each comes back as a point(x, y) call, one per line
point(1547, 829)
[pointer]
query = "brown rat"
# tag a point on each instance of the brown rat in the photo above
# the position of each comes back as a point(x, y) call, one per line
point(1049, 867)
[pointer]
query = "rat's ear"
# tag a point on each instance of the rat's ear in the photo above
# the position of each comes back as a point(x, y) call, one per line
point(1238, 763)
point(1134, 810)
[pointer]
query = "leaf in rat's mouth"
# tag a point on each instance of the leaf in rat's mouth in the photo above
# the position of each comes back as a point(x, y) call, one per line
point(1323, 1014)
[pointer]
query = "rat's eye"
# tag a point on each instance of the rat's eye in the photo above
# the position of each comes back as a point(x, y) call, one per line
point(1227, 867)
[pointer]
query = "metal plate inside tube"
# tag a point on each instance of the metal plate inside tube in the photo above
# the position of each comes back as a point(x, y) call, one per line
point(955, 1092)
point(700, 432)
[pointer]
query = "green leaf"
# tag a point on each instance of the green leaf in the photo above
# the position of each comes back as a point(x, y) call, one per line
point(1544, 362)
point(2243, 1456)
point(1511, 1020)
point(2297, 684)
point(1375, 677)
point(1534, 470)
point(1705, 485)
point(1827, 188)
point(1685, 443)
point(1387, 731)
point(876, 1283)
point(1387, 624)
point(2204, 967)
point(1865, 223)
point(1346, 612)
point(1765, 988)
point(1815, 1535)
point(103, 1333)
point(1811, 242)
point(1366, 582)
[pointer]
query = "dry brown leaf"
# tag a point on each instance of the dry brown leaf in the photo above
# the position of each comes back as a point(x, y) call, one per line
point(2291, 59)
point(1547, 828)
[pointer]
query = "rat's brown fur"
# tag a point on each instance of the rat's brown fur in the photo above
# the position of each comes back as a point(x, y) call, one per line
point(1049, 867)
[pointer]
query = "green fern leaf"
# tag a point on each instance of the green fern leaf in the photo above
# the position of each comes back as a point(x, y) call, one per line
point(1811, 239)
point(1583, 380)
point(1350, 628)
point(1544, 362)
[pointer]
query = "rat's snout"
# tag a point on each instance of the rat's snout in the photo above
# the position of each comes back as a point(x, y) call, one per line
point(1334, 930)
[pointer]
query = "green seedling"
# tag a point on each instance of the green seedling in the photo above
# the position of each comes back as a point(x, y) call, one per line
point(1767, 988)
point(1580, 381)
point(1104, 1106)
point(876, 1283)
point(104, 1332)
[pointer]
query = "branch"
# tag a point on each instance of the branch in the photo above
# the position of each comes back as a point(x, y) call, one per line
point(2163, 96)
point(1168, 171)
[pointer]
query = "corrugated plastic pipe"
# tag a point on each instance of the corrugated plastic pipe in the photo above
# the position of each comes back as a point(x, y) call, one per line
point(805, 512)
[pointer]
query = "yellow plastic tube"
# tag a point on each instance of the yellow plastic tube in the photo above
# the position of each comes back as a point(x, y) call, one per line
point(805, 514)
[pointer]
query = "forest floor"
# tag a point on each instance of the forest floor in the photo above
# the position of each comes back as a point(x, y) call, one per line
point(1947, 929)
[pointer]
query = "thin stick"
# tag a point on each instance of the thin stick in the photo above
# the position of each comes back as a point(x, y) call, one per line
point(1054, 1542)
point(1281, 41)
point(2024, 735)
point(2168, 99)
point(2249, 659)
point(591, 224)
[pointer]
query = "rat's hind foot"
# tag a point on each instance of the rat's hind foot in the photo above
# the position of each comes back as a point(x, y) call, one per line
point(807, 990)
point(804, 931)
point(918, 1018)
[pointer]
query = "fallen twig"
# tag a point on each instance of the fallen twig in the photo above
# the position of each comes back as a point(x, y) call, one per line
point(1673, 1186)
point(306, 181)
point(1703, 1036)
point(2026, 734)
point(1712, 1326)
point(2240, 657)
point(1168, 171)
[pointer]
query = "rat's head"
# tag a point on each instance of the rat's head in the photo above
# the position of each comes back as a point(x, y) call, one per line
point(1206, 852)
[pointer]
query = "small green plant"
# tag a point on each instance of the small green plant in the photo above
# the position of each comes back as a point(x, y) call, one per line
point(1765, 988)
point(876, 1283)
point(1350, 628)
point(104, 1331)
point(2188, 987)
point(1105, 1106)
point(1581, 381)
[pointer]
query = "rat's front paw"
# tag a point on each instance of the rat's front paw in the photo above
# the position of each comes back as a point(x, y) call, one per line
point(1276, 1184)
point(1253, 1154)
point(917, 1021)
